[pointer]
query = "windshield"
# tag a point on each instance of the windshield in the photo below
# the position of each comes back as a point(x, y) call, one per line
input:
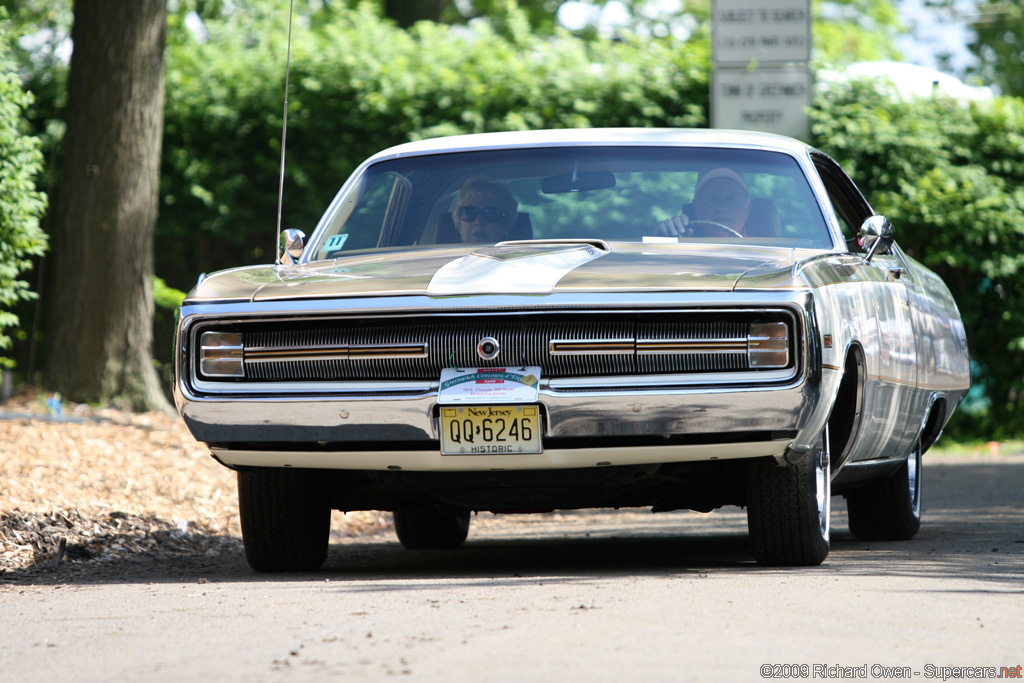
point(616, 194)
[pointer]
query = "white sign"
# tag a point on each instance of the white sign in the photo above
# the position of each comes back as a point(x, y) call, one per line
point(765, 31)
point(769, 100)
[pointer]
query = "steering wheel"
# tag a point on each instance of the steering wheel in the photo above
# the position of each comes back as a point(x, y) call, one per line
point(703, 226)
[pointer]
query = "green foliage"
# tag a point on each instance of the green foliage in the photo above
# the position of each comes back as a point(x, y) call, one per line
point(49, 25)
point(165, 317)
point(166, 297)
point(999, 45)
point(359, 85)
point(21, 204)
point(950, 176)
point(847, 31)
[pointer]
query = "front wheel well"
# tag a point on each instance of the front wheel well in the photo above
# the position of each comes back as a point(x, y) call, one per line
point(933, 426)
point(844, 421)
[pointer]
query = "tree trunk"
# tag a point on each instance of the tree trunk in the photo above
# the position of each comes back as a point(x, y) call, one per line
point(99, 334)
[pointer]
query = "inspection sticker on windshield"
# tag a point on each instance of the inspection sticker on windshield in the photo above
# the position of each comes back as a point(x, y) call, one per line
point(490, 385)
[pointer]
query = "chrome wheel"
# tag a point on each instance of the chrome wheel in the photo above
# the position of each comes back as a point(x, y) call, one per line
point(823, 488)
point(914, 480)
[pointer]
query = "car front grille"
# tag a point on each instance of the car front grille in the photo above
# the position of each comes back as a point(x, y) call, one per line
point(563, 345)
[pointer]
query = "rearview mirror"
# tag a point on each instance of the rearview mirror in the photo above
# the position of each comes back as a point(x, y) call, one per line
point(578, 182)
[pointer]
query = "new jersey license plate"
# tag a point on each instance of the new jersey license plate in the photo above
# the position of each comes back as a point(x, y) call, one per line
point(490, 430)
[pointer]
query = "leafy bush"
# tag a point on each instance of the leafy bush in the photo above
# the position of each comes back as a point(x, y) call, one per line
point(20, 204)
point(950, 175)
point(359, 85)
point(166, 302)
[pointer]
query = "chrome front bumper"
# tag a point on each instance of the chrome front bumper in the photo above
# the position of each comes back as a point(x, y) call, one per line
point(338, 432)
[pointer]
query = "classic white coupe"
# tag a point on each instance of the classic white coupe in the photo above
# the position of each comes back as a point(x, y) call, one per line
point(521, 322)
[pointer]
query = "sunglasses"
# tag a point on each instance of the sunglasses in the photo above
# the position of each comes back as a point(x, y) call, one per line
point(488, 214)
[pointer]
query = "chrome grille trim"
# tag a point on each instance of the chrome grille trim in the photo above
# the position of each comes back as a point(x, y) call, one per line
point(263, 354)
point(563, 347)
point(661, 346)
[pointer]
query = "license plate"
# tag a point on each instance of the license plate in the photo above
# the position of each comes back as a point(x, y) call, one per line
point(490, 430)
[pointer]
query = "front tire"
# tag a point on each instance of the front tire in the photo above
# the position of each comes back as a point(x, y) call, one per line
point(431, 528)
point(789, 509)
point(888, 509)
point(286, 519)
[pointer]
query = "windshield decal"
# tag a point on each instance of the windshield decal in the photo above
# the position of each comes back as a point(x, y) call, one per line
point(336, 242)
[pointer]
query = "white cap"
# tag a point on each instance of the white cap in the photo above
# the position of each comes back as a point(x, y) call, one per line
point(715, 173)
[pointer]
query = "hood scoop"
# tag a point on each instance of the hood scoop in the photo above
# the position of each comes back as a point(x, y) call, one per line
point(523, 267)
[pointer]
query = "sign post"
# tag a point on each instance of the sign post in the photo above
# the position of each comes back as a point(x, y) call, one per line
point(760, 54)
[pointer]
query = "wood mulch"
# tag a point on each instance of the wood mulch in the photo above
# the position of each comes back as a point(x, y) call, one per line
point(87, 485)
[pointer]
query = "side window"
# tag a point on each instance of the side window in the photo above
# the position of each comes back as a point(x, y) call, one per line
point(363, 217)
point(850, 206)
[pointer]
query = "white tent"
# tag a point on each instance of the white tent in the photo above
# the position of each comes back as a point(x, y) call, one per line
point(910, 80)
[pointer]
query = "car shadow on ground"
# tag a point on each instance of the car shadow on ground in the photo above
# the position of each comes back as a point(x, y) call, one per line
point(973, 528)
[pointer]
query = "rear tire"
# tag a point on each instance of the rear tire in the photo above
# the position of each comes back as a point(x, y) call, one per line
point(888, 509)
point(431, 528)
point(789, 509)
point(286, 519)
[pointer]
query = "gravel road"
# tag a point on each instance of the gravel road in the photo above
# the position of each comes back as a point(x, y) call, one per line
point(596, 596)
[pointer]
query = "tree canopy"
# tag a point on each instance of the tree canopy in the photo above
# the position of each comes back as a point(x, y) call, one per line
point(21, 204)
point(999, 45)
point(945, 172)
point(950, 175)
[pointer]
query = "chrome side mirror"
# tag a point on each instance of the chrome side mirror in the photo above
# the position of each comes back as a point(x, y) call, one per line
point(293, 241)
point(876, 234)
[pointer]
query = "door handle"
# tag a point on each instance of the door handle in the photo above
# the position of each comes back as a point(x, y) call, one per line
point(894, 274)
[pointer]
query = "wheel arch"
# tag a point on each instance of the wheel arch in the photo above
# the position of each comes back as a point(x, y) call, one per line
point(933, 422)
point(844, 421)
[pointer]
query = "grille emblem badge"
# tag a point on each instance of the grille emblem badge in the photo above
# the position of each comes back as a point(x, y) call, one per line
point(488, 348)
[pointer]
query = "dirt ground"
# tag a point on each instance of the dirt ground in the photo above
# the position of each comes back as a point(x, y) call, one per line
point(99, 485)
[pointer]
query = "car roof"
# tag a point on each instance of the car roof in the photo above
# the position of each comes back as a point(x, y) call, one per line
point(602, 137)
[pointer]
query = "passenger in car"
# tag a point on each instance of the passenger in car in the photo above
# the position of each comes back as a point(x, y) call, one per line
point(721, 197)
point(485, 211)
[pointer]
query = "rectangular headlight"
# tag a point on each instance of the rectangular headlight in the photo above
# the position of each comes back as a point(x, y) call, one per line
point(221, 355)
point(768, 345)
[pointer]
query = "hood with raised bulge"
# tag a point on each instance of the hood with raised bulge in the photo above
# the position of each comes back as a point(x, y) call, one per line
point(510, 269)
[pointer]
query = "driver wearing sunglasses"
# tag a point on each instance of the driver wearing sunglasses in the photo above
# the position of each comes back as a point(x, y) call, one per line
point(484, 211)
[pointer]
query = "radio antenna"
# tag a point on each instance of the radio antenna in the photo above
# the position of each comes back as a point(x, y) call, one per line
point(284, 134)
